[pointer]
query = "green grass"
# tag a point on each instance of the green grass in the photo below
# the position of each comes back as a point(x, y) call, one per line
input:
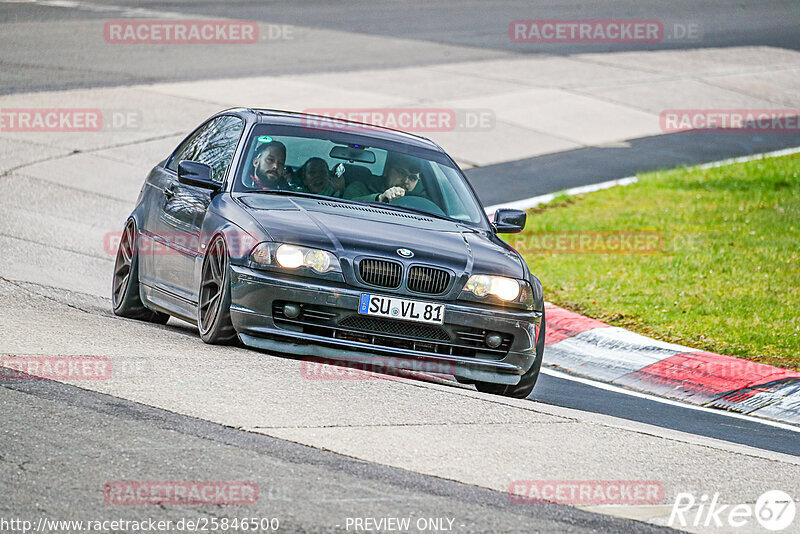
point(726, 278)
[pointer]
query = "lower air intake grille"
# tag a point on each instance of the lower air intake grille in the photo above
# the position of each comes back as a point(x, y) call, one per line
point(396, 328)
point(380, 273)
point(428, 280)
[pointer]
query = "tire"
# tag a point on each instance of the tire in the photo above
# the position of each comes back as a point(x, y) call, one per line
point(125, 298)
point(214, 297)
point(526, 383)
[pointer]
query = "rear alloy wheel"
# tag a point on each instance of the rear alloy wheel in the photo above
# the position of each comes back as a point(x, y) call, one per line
point(214, 302)
point(526, 383)
point(125, 297)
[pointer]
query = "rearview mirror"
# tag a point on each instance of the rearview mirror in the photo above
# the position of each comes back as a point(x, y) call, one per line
point(509, 221)
point(351, 153)
point(196, 174)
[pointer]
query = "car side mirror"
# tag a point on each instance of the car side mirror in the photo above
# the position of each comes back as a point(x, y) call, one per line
point(196, 174)
point(509, 221)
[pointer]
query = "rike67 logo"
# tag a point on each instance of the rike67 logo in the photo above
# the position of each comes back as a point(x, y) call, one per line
point(774, 510)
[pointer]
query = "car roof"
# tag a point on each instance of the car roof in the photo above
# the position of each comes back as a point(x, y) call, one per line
point(292, 118)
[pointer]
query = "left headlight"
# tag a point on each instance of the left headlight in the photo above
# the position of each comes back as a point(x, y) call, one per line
point(294, 257)
point(481, 285)
point(511, 290)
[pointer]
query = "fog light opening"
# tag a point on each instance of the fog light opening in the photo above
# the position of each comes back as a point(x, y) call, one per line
point(493, 340)
point(291, 310)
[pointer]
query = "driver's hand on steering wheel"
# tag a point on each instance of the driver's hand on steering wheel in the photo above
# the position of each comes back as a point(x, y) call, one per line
point(391, 194)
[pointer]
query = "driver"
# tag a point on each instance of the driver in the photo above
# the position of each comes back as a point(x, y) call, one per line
point(400, 176)
point(268, 166)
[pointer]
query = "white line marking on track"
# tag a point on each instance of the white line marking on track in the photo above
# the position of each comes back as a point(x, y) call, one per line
point(528, 203)
point(532, 202)
point(124, 11)
point(616, 389)
point(764, 155)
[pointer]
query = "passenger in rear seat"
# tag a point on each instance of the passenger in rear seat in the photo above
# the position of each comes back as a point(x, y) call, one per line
point(400, 176)
point(317, 179)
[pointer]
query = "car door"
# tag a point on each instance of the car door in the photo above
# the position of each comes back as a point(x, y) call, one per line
point(183, 207)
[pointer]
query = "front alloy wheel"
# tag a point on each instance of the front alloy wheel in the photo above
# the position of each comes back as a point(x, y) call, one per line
point(214, 302)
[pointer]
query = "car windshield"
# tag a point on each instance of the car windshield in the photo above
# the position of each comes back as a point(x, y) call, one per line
point(356, 168)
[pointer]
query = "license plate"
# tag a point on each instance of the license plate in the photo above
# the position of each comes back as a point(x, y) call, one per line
point(407, 310)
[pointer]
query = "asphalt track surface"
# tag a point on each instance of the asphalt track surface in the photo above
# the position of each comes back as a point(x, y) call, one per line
point(49, 45)
point(550, 173)
point(468, 29)
point(571, 394)
point(311, 489)
point(307, 489)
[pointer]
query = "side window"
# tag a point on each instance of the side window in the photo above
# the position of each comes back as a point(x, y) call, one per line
point(214, 144)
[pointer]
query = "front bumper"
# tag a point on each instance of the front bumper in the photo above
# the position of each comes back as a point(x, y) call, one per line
point(331, 328)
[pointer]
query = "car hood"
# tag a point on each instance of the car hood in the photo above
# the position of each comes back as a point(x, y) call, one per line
point(355, 230)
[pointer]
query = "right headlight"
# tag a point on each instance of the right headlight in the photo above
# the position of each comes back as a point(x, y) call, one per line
point(288, 256)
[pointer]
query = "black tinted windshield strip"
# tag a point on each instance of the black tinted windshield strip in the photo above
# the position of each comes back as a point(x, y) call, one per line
point(349, 138)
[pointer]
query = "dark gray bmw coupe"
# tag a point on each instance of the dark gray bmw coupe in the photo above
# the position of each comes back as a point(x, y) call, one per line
point(332, 240)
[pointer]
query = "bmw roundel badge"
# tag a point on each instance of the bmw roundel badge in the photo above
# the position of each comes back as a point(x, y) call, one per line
point(404, 252)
